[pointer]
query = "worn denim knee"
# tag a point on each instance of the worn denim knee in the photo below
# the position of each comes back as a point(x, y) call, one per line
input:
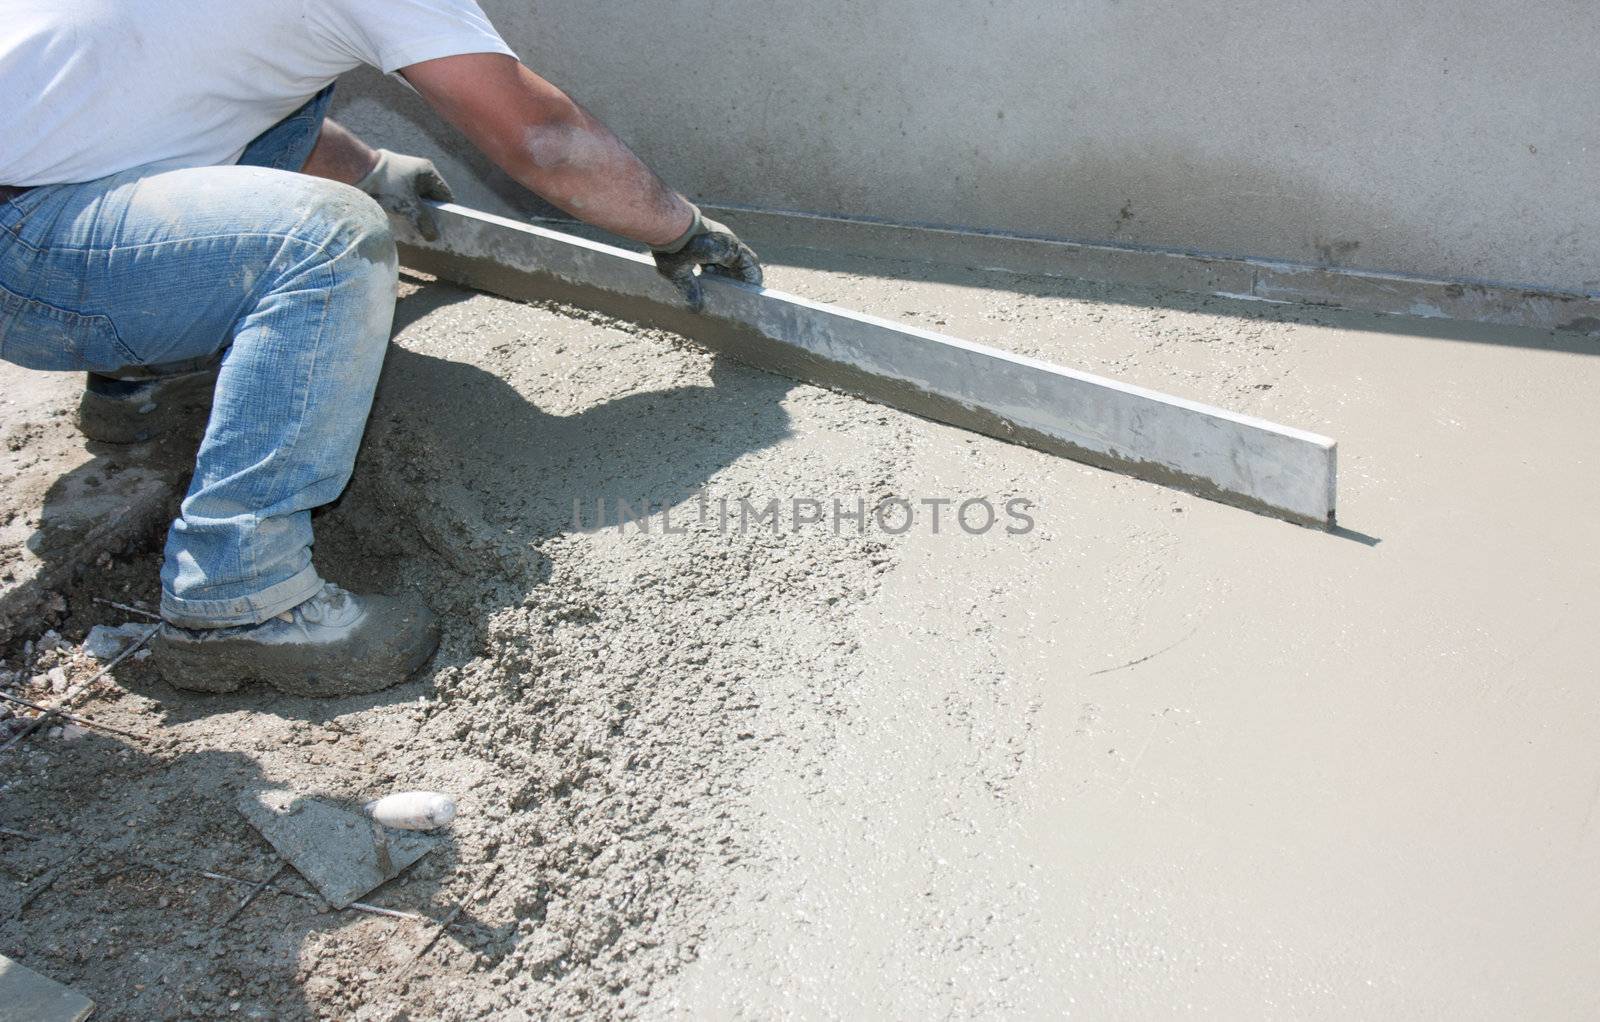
point(292, 276)
point(292, 400)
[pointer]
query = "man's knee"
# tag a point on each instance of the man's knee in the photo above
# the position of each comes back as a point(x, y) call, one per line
point(358, 227)
point(344, 248)
point(361, 255)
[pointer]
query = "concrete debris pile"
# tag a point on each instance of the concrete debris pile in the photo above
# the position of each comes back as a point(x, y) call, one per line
point(625, 681)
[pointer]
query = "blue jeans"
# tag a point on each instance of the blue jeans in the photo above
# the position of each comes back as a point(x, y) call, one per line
point(290, 277)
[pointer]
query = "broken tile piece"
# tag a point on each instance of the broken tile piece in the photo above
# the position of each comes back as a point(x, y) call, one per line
point(26, 996)
point(343, 854)
point(105, 642)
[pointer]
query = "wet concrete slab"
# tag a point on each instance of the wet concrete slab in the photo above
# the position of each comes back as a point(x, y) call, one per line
point(1156, 757)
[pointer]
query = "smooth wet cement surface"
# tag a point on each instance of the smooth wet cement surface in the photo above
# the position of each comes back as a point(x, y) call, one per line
point(1162, 756)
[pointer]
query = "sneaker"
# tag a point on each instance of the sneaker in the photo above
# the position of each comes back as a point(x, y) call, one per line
point(334, 644)
point(114, 410)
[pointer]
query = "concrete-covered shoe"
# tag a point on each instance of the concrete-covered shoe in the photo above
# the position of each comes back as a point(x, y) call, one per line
point(114, 410)
point(334, 644)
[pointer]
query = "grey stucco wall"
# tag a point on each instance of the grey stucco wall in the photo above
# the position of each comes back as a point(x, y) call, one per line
point(1437, 138)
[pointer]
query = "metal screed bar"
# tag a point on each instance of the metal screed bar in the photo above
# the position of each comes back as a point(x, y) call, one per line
point(1218, 454)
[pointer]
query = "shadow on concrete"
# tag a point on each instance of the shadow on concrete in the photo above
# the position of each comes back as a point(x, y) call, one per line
point(462, 481)
point(69, 503)
point(461, 485)
point(116, 905)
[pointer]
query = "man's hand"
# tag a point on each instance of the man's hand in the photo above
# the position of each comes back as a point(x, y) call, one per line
point(401, 183)
point(712, 246)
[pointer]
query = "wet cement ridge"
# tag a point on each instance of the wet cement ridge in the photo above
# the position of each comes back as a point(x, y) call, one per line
point(1230, 276)
point(1237, 459)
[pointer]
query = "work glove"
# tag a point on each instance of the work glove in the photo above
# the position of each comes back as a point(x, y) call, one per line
point(711, 246)
point(400, 183)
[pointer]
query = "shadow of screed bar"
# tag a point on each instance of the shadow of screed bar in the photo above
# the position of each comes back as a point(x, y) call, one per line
point(1221, 455)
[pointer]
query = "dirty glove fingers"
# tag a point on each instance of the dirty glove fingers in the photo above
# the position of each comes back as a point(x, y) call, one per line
point(713, 247)
point(723, 249)
point(428, 184)
point(746, 266)
point(422, 218)
point(689, 284)
point(721, 252)
point(432, 185)
point(679, 269)
point(738, 262)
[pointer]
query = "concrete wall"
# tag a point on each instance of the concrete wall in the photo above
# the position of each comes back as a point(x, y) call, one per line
point(1432, 137)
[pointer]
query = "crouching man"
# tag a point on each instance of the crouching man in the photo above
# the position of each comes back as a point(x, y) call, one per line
point(175, 207)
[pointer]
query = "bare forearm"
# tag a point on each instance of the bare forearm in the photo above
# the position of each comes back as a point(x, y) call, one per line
point(537, 134)
point(340, 155)
point(576, 162)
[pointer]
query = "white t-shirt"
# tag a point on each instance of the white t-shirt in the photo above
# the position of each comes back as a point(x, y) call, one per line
point(94, 87)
